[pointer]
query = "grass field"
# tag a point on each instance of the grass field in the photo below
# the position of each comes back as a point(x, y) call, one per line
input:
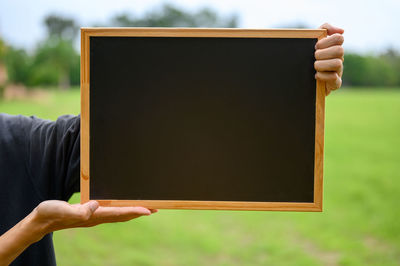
point(360, 224)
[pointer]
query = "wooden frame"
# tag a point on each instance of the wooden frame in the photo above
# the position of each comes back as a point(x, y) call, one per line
point(86, 33)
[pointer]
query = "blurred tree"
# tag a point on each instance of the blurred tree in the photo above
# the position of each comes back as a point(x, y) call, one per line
point(61, 27)
point(171, 16)
point(18, 64)
point(3, 70)
point(56, 62)
point(3, 49)
point(53, 63)
point(372, 70)
point(392, 56)
point(379, 72)
point(355, 66)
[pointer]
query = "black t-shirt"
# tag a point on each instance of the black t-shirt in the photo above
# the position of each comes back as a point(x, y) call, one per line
point(39, 160)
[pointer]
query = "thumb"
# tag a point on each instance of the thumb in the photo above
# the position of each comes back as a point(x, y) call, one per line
point(91, 207)
point(331, 29)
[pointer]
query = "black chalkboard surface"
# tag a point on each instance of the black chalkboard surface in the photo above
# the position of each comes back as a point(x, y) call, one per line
point(206, 121)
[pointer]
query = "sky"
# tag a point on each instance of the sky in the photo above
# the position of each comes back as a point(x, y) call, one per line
point(370, 25)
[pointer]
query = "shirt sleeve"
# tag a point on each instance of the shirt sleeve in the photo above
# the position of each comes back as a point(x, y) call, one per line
point(53, 155)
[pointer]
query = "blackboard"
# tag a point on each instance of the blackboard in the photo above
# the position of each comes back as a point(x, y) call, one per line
point(202, 118)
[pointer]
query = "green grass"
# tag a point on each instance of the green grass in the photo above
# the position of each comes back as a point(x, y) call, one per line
point(360, 224)
point(54, 104)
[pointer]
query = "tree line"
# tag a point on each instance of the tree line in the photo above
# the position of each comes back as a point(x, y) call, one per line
point(56, 63)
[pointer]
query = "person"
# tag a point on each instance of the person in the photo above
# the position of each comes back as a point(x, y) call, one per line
point(40, 161)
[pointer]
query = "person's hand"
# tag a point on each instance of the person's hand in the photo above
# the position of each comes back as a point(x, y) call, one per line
point(329, 58)
point(55, 215)
point(52, 215)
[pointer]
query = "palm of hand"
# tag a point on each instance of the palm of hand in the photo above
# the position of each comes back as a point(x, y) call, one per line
point(56, 215)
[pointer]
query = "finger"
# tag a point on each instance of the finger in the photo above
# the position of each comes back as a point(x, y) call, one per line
point(328, 65)
point(327, 76)
point(97, 221)
point(331, 29)
point(114, 219)
point(113, 214)
point(331, 79)
point(104, 212)
point(333, 85)
point(92, 205)
point(327, 91)
point(85, 211)
point(335, 39)
point(117, 214)
point(153, 210)
point(336, 51)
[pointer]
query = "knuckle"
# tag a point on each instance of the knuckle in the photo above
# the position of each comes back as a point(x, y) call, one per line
point(340, 51)
point(328, 77)
point(337, 64)
point(338, 38)
point(339, 82)
point(325, 76)
point(334, 76)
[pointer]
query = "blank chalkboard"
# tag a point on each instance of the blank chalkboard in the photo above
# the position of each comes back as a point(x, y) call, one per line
point(202, 118)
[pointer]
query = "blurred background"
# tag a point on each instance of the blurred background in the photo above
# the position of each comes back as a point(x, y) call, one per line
point(360, 225)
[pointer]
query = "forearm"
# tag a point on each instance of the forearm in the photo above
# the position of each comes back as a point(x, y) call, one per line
point(19, 237)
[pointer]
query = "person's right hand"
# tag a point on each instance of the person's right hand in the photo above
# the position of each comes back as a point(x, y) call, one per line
point(53, 215)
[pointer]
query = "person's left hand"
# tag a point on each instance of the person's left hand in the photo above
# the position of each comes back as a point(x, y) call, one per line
point(329, 58)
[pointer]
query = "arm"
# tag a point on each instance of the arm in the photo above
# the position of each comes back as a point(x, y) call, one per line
point(53, 215)
point(48, 154)
point(329, 58)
